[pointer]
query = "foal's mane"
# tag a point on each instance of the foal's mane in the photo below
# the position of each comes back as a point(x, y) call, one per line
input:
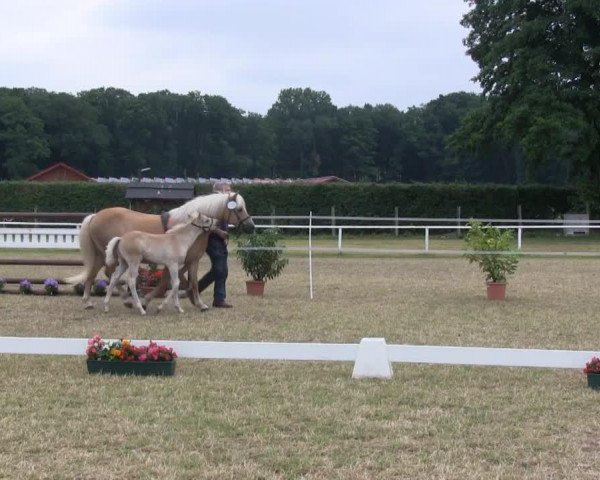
point(211, 205)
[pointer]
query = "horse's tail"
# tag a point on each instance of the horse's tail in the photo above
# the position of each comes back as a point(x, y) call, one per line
point(88, 252)
point(111, 254)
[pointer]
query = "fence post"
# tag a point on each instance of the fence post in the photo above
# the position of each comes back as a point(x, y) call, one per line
point(396, 221)
point(333, 220)
point(427, 239)
point(519, 230)
point(272, 216)
point(458, 231)
point(340, 240)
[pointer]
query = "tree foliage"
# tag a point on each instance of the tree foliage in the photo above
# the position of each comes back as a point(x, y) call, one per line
point(111, 132)
point(540, 72)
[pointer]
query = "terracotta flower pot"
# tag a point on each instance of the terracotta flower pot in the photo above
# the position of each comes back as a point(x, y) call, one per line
point(496, 290)
point(255, 287)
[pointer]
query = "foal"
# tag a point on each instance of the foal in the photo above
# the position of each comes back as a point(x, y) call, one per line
point(170, 249)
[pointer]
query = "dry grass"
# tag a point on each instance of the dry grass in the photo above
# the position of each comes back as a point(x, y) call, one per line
point(273, 420)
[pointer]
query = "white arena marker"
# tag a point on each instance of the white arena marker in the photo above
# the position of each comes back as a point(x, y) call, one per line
point(372, 359)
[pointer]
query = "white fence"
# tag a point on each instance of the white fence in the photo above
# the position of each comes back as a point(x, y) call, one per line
point(36, 235)
point(372, 357)
point(66, 235)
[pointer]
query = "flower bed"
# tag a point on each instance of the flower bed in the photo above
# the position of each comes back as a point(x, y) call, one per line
point(121, 357)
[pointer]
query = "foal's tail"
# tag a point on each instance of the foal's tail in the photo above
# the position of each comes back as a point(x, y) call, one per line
point(111, 254)
point(88, 252)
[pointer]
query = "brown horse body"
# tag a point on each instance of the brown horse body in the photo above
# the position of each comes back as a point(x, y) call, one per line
point(98, 229)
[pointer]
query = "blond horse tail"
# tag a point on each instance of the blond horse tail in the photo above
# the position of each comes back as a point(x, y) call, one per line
point(111, 254)
point(88, 252)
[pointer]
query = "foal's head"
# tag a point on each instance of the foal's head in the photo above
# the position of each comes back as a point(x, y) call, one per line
point(204, 223)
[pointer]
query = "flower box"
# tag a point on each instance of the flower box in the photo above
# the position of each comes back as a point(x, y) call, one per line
point(121, 357)
point(117, 367)
point(593, 380)
point(592, 370)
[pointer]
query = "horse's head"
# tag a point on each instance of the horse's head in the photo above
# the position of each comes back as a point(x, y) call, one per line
point(237, 214)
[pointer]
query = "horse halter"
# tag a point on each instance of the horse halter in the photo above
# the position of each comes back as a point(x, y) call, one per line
point(232, 205)
point(205, 228)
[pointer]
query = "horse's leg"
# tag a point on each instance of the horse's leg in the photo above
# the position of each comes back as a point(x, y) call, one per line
point(114, 279)
point(122, 289)
point(173, 271)
point(132, 273)
point(87, 286)
point(191, 264)
point(160, 289)
point(193, 281)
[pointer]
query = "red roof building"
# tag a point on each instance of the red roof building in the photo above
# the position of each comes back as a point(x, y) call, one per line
point(59, 172)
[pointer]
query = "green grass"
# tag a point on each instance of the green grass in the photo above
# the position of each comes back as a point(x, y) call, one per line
point(291, 420)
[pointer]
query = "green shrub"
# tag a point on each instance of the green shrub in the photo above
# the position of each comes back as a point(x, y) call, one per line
point(261, 265)
point(495, 266)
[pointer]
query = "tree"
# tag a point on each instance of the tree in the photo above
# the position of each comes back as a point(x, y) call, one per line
point(74, 133)
point(299, 118)
point(390, 137)
point(540, 69)
point(357, 144)
point(23, 146)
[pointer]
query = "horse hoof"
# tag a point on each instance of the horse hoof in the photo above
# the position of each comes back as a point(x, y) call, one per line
point(105, 309)
point(204, 307)
point(180, 310)
point(88, 306)
point(143, 312)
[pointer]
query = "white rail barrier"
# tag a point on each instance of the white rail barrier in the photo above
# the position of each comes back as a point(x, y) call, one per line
point(28, 235)
point(372, 365)
point(66, 235)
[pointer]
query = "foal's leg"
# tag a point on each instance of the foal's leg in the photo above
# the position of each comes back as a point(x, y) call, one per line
point(132, 273)
point(114, 278)
point(160, 289)
point(173, 270)
point(122, 289)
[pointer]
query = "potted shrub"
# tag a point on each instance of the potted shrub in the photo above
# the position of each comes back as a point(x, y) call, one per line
point(592, 370)
point(121, 357)
point(261, 259)
point(486, 244)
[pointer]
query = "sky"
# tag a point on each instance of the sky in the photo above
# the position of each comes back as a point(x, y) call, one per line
point(402, 52)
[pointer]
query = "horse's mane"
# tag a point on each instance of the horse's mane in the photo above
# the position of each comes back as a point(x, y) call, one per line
point(177, 227)
point(211, 205)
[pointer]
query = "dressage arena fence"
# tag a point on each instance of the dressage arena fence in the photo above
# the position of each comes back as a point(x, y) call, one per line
point(372, 357)
point(60, 235)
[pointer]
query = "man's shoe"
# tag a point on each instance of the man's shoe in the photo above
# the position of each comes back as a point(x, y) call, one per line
point(222, 304)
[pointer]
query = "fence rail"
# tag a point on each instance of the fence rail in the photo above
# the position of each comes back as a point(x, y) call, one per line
point(66, 235)
point(372, 357)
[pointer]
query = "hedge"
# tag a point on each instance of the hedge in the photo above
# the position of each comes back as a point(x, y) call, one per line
point(370, 200)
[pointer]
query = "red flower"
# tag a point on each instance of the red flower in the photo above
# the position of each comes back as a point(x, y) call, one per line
point(593, 366)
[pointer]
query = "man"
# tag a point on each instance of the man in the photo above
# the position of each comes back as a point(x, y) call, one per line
point(217, 252)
